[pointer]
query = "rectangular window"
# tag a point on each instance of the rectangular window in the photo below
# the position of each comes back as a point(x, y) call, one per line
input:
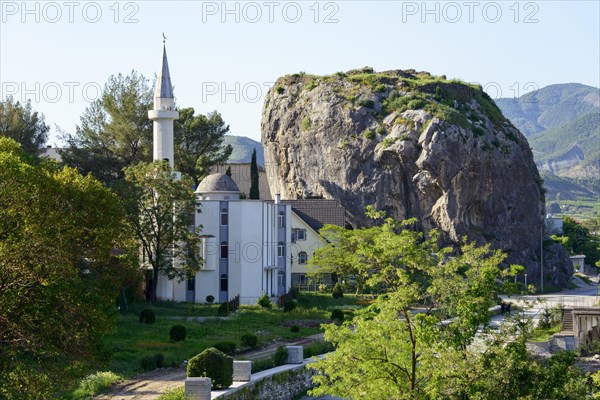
point(301, 234)
point(281, 219)
point(224, 250)
point(191, 284)
point(281, 250)
point(224, 217)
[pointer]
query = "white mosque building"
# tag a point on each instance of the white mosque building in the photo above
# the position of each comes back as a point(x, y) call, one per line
point(245, 243)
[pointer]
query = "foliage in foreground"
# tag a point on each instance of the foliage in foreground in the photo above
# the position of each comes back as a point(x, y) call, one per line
point(213, 364)
point(95, 383)
point(58, 280)
point(417, 341)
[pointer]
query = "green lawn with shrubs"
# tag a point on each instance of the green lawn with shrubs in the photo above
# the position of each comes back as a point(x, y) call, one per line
point(140, 346)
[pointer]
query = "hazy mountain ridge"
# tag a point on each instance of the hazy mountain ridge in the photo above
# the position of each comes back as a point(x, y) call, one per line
point(242, 150)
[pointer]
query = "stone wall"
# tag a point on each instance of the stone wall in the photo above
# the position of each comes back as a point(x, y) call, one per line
point(279, 386)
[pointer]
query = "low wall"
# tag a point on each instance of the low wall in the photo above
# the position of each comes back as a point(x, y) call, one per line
point(283, 385)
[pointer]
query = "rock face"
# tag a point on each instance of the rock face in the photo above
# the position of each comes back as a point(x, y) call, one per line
point(413, 145)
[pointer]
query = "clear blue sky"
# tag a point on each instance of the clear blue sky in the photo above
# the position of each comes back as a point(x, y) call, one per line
point(224, 55)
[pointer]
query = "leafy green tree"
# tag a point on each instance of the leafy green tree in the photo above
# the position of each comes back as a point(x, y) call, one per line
point(254, 190)
point(115, 131)
point(578, 239)
point(20, 123)
point(58, 280)
point(199, 143)
point(160, 209)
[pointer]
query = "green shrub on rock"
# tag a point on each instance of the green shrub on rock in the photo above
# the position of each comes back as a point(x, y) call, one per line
point(213, 364)
point(249, 340)
point(147, 316)
point(178, 333)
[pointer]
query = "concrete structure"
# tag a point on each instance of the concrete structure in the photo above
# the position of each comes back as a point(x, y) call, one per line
point(295, 354)
point(578, 262)
point(245, 243)
point(586, 322)
point(198, 388)
point(242, 370)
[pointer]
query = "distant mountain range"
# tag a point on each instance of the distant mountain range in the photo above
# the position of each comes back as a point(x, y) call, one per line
point(562, 125)
point(242, 150)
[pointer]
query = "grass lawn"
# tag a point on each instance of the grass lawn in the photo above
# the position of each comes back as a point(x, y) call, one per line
point(133, 341)
point(544, 334)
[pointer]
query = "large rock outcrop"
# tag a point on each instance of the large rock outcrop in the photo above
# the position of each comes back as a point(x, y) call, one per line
point(413, 145)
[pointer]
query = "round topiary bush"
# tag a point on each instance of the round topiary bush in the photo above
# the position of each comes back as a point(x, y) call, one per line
point(178, 333)
point(225, 347)
point(290, 305)
point(147, 316)
point(213, 364)
point(338, 315)
point(337, 292)
point(295, 328)
point(249, 340)
point(210, 298)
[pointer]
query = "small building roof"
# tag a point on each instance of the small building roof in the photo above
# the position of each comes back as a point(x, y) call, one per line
point(318, 212)
point(217, 182)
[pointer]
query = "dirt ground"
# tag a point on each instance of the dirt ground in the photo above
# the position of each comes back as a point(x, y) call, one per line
point(151, 385)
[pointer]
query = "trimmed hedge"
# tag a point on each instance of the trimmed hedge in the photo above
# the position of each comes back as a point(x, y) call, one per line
point(225, 347)
point(147, 316)
point(178, 333)
point(249, 340)
point(213, 364)
point(338, 291)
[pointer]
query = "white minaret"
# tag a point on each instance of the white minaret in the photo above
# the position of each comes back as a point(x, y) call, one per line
point(163, 114)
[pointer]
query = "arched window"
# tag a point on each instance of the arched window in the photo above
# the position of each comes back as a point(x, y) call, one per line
point(224, 282)
point(302, 257)
point(224, 249)
point(281, 249)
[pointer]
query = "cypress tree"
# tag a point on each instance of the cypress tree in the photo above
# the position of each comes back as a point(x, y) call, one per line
point(254, 192)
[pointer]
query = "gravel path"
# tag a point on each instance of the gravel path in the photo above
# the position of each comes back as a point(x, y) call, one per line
point(151, 385)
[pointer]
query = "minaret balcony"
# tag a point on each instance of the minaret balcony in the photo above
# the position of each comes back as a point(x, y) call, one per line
point(163, 114)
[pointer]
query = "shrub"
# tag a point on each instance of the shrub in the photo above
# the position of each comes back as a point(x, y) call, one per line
point(213, 364)
point(380, 130)
point(305, 124)
point(279, 89)
point(318, 347)
point(295, 328)
point(149, 363)
point(147, 316)
point(92, 384)
point(249, 340)
point(338, 315)
point(178, 333)
point(364, 102)
point(225, 347)
point(174, 394)
point(210, 298)
point(369, 134)
point(223, 309)
point(290, 305)
point(337, 292)
point(280, 356)
point(264, 301)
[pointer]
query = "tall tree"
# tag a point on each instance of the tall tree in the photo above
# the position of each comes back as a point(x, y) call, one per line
point(58, 281)
point(115, 131)
point(254, 191)
point(199, 143)
point(160, 209)
point(23, 125)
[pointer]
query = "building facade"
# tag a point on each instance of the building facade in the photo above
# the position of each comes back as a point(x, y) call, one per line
point(245, 243)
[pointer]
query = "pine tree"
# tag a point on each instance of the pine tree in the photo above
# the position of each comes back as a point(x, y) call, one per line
point(254, 192)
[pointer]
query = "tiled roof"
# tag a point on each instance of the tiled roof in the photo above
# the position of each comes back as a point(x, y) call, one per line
point(318, 212)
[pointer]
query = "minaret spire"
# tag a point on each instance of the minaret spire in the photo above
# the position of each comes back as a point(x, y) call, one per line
point(163, 113)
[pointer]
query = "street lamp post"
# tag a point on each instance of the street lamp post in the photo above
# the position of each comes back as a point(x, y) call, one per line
point(542, 257)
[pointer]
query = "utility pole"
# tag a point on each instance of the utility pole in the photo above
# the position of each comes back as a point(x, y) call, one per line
point(542, 257)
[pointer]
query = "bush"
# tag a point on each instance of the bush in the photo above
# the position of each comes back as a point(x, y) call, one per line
point(174, 394)
point(337, 314)
point(290, 305)
point(147, 316)
point(316, 348)
point(225, 347)
point(213, 364)
point(92, 384)
point(337, 292)
point(369, 134)
point(178, 333)
point(149, 363)
point(223, 309)
point(280, 356)
point(249, 340)
point(210, 298)
point(264, 301)
point(295, 329)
